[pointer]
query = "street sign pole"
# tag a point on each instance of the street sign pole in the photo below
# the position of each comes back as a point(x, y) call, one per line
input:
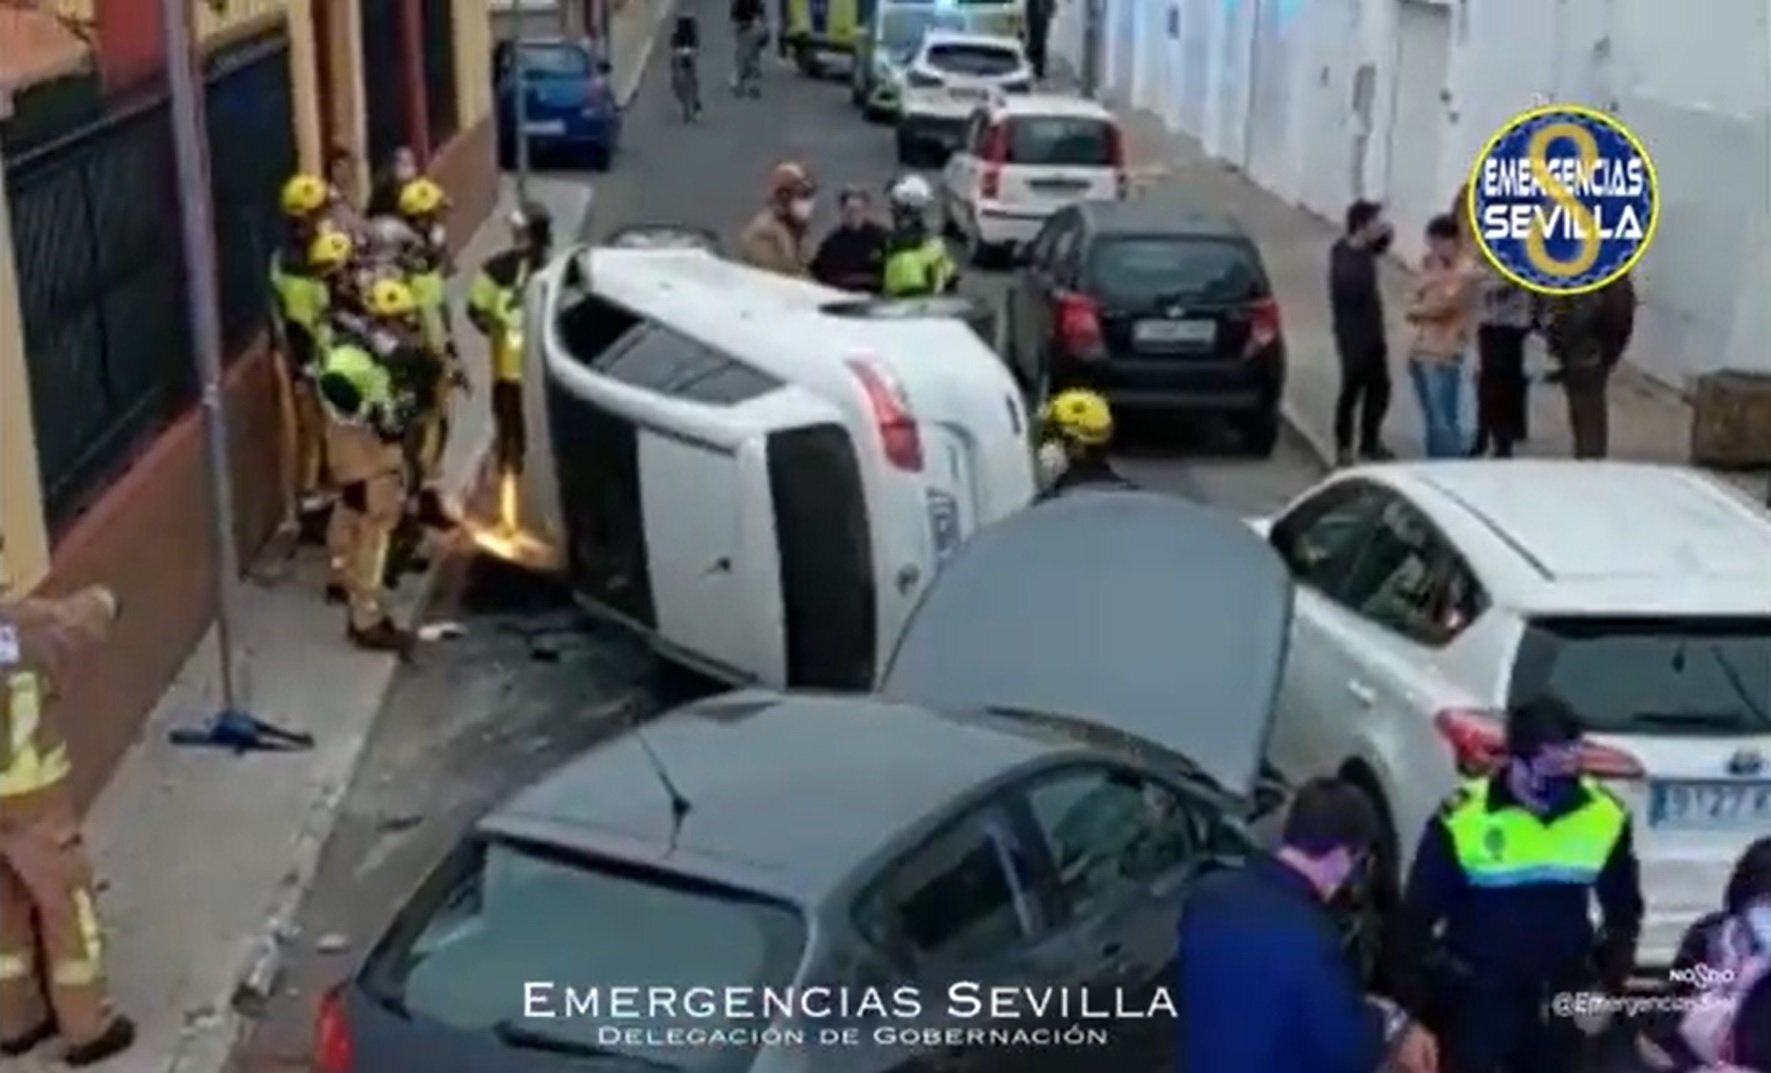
point(198, 234)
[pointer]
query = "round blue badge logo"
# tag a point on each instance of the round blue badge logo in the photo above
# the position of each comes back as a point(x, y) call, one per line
point(1563, 200)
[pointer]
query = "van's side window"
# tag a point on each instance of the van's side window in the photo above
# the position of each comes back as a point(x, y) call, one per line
point(663, 361)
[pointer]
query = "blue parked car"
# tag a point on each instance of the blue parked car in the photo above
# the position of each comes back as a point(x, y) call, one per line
point(571, 106)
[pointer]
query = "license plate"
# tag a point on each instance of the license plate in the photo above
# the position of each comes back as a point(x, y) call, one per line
point(944, 523)
point(550, 126)
point(1175, 331)
point(1710, 805)
point(1058, 186)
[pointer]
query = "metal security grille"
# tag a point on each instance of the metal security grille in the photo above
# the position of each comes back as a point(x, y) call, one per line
point(384, 80)
point(101, 275)
point(439, 70)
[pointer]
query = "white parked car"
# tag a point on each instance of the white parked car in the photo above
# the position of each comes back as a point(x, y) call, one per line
point(951, 75)
point(1024, 158)
point(1432, 596)
point(758, 474)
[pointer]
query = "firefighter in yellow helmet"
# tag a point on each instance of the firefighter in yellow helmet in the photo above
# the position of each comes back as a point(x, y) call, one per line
point(50, 943)
point(371, 401)
point(1076, 430)
point(427, 265)
point(495, 307)
point(301, 290)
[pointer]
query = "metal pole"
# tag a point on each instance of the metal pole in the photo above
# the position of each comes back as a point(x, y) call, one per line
point(519, 73)
point(190, 147)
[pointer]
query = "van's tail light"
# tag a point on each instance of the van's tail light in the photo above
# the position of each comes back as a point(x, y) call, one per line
point(901, 439)
point(1263, 325)
point(1079, 326)
point(333, 1051)
point(1478, 741)
point(1121, 165)
point(995, 156)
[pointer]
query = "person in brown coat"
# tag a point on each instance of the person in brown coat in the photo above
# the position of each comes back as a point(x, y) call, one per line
point(775, 239)
point(1587, 335)
point(51, 965)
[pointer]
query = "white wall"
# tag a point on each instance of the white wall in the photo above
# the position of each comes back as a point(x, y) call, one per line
point(1270, 86)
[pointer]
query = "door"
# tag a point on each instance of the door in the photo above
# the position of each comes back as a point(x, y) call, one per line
point(959, 177)
point(1417, 122)
point(690, 497)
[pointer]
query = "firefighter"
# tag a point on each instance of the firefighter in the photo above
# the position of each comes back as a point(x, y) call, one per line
point(917, 264)
point(50, 945)
point(495, 306)
point(422, 205)
point(371, 400)
point(1076, 433)
point(299, 303)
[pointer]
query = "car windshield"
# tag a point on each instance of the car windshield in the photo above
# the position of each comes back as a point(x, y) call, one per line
point(900, 32)
point(1135, 270)
point(555, 61)
point(975, 61)
point(506, 934)
point(1060, 141)
point(1671, 676)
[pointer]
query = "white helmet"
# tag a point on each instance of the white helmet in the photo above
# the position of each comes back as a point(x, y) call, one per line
point(912, 192)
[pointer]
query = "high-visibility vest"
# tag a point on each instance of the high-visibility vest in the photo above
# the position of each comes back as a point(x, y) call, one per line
point(495, 301)
point(433, 309)
point(25, 765)
point(1510, 847)
point(300, 301)
point(369, 376)
point(918, 271)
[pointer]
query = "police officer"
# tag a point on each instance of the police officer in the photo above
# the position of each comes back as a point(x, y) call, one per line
point(371, 401)
point(299, 304)
point(1505, 874)
point(50, 945)
point(917, 263)
point(495, 307)
point(422, 205)
point(1076, 429)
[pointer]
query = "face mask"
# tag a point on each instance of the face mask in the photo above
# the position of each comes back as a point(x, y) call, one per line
point(801, 209)
point(1381, 244)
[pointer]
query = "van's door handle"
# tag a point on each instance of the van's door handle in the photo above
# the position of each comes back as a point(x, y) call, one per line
point(1364, 694)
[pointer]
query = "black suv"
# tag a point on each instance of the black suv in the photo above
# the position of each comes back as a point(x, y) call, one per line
point(1154, 307)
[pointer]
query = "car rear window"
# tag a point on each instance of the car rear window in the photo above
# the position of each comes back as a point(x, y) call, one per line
point(555, 62)
point(1060, 141)
point(502, 929)
point(1178, 269)
point(1672, 676)
point(976, 61)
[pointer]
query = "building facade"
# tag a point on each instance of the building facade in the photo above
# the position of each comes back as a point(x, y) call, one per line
point(1322, 101)
point(102, 469)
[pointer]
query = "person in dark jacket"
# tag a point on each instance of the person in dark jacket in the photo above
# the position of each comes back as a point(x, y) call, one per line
point(852, 256)
point(1357, 306)
point(1508, 870)
point(1587, 335)
point(1712, 953)
point(1266, 985)
point(1039, 22)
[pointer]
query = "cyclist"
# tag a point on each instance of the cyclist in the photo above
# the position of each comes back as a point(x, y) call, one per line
point(748, 26)
point(685, 80)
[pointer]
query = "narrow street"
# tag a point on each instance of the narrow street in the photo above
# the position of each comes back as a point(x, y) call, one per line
point(531, 683)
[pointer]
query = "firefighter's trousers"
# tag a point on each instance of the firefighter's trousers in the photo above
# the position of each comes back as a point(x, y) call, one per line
point(50, 947)
point(371, 476)
point(306, 446)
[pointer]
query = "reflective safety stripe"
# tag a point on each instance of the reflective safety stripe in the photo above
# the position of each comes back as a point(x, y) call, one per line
point(25, 767)
point(507, 355)
point(924, 270)
point(1509, 847)
point(15, 966)
point(73, 973)
point(429, 290)
point(91, 938)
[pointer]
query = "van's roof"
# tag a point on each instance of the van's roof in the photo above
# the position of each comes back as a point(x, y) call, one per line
point(779, 324)
point(1056, 105)
point(964, 37)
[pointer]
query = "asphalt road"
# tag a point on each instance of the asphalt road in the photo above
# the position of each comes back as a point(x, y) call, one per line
point(531, 683)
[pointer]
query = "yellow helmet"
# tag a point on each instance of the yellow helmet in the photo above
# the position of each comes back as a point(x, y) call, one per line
point(421, 197)
point(1082, 417)
point(304, 195)
point(332, 249)
point(391, 298)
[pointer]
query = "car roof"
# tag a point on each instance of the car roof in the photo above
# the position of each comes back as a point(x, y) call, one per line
point(789, 793)
point(1050, 104)
point(1155, 215)
point(1553, 535)
point(964, 37)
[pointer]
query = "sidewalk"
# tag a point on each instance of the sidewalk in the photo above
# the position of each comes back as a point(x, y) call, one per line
point(1650, 422)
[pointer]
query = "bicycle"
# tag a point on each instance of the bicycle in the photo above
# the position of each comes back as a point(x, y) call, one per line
point(685, 83)
point(747, 80)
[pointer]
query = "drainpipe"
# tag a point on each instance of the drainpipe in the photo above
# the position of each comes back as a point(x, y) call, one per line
point(412, 54)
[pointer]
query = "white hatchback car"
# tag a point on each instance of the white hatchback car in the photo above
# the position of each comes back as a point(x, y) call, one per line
point(950, 77)
point(1433, 596)
point(1023, 159)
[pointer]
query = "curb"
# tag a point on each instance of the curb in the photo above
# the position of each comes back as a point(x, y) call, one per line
point(1314, 444)
point(624, 95)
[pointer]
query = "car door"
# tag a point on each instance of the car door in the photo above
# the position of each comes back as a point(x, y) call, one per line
point(1319, 538)
point(959, 174)
point(1121, 849)
point(1023, 301)
point(1054, 273)
point(958, 913)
